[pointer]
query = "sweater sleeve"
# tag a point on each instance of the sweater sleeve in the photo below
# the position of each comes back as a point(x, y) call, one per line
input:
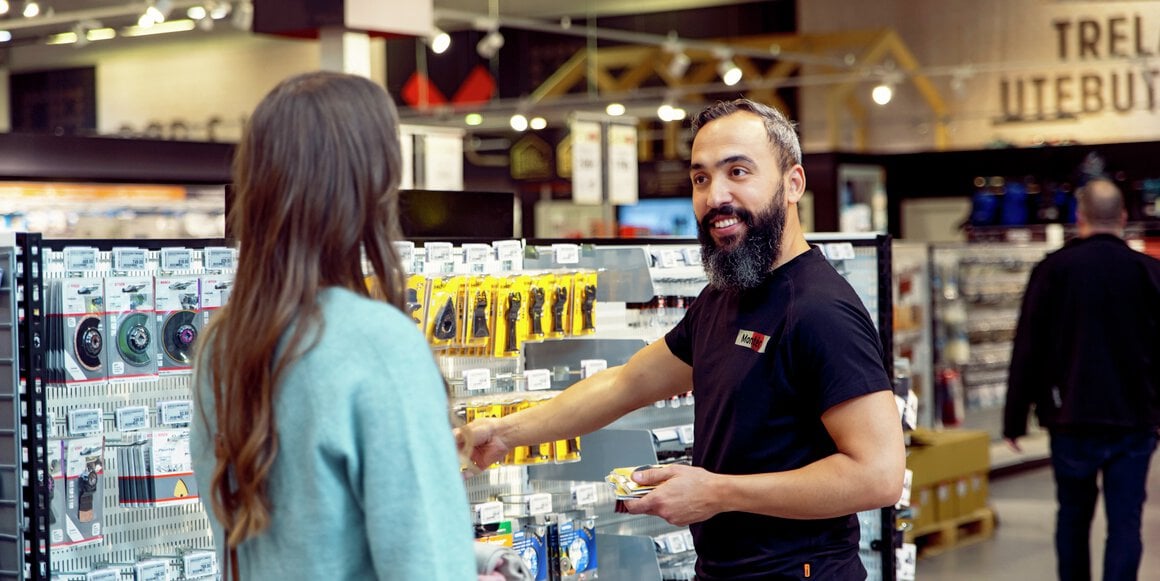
point(417, 516)
point(1025, 377)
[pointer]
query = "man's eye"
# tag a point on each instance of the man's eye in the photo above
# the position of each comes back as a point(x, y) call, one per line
point(738, 171)
point(699, 179)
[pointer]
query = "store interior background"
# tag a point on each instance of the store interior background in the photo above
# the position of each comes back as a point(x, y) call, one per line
point(131, 136)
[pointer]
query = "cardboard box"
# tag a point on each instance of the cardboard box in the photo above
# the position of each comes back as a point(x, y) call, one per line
point(972, 492)
point(946, 501)
point(940, 456)
point(922, 507)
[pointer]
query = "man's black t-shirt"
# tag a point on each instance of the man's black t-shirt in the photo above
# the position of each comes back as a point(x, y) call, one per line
point(767, 363)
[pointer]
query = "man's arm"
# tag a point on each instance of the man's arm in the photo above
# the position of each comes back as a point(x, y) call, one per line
point(865, 473)
point(652, 374)
point(1025, 376)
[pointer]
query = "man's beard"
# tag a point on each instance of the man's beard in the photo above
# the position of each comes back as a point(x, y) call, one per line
point(743, 264)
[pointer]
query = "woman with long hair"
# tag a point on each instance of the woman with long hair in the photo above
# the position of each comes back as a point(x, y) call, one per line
point(323, 448)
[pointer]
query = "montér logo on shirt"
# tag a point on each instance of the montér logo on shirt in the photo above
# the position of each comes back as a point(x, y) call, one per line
point(752, 340)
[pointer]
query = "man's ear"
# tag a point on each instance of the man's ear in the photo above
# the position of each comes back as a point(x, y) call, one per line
point(794, 183)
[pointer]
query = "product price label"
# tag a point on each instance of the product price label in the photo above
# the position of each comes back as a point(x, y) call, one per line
point(175, 413)
point(685, 434)
point(665, 434)
point(538, 379)
point(509, 252)
point(199, 564)
point(475, 256)
point(539, 503)
point(584, 494)
point(692, 256)
point(128, 259)
point(566, 253)
point(176, 259)
point(438, 251)
point(132, 418)
point(488, 512)
point(80, 258)
point(589, 367)
point(85, 421)
point(670, 258)
point(838, 251)
point(476, 379)
point(406, 251)
point(218, 258)
point(154, 570)
point(107, 574)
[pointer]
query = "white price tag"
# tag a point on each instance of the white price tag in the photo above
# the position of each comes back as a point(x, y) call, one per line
point(107, 574)
point(132, 418)
point(670, 258)
point(406, 251)
point(910, 416)
point(476, 253)
point(476, 379)
point(539, 503)
point(676, 543)
point(839, 251)
point(488, 512)
point(688, 536)
point(85, 421)
point(907, 481)
point(200, 564)
point(566, 253)
point(584, 494)
point(80, 258)
point(509, 251)
point(152, 570)
point(438, 251)
point(218, 258)
point(589, 367)
point(685, 434)
point(692, 256)
point(175, 413)
point(665, 434)
point(128, 259)
point(538, 379)
point(906, 557)
point(176, 259)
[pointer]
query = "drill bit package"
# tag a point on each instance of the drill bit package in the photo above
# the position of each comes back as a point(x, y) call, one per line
point(132, 328)
point(84, 473)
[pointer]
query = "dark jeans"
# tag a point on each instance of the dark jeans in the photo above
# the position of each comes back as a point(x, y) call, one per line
point(1123, 460)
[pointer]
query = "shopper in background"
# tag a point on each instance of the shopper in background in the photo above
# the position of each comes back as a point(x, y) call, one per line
point(796, 427)
point(324, 449)
point(1087, 357)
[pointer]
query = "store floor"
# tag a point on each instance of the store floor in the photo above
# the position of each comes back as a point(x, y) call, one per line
point(1022, 547)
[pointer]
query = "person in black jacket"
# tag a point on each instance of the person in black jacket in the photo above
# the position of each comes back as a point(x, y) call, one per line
point(1087, 358)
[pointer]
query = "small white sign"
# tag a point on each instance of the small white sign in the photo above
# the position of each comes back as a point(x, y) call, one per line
point(488, 512)
point(509, 252)
point(566, 253)
point(107, 574)
point(152, 570)
point(584, 494)
point(670, 258)
point(132, 418)
point(692, 256)
point(665, 434)
point(176, 259)
point(590, 367)
point(176, 412)
point(539, 503)
point(622, 164)
point(438, 251)
point(199, 564)
point(218, 258)
point(685, 434)
point(125, 259)
point(587, 163)
point(839, 251)
point(538, 379)
point(85, 421)
point(406, 252)
point(80, 259)
point(907, 481)
point(476, 379)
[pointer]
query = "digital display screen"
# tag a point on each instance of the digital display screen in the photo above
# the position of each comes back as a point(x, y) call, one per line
point(658, 217)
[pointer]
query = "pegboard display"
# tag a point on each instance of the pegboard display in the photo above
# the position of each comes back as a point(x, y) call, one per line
point(116, 367)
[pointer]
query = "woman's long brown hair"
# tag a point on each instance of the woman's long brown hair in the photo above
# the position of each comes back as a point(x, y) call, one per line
point(316, 180)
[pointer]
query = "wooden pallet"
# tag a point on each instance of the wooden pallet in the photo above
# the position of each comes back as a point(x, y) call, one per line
point(952, 533)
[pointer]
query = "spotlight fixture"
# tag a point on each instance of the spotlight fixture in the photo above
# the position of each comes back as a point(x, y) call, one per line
point(5, 36)
point(439, 41)
point(473, 119)
point(730, 73)
point(243, 18)
point(538, 123)
point(196, 12)
point(490, 44)
point(882, 93)
point(668, 112)
point(31, 9)
point(519, 122)
point(615, 109)
point(4, 7)
point(218, 9)
point(678, 60)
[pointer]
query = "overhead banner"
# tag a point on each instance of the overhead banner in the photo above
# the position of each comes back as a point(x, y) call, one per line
point(622, 164)
point(587, 163)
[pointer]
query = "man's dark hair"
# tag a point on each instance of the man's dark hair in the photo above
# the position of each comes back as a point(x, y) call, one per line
point(781, 131)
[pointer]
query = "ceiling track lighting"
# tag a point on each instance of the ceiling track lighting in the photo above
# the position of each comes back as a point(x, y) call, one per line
point(438, 40)
point(31, 9)
point(4, 7)
point(489, 45)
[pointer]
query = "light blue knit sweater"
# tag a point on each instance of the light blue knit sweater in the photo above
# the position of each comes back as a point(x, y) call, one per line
point(366, 484)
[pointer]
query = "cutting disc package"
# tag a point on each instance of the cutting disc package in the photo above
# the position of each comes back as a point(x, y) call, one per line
point(178, 305)
point(80, 327)
point(215, 291)
point(133, 333)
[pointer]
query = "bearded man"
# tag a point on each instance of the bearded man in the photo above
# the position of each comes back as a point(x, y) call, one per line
point(796, 428)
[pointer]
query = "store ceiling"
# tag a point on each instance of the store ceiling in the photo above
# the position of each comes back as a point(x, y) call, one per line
point(57, 16)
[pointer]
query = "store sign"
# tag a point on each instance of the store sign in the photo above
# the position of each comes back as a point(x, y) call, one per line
point(1111, 68)
point(587, 163)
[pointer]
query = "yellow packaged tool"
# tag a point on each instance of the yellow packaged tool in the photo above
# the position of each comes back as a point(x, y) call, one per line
point(416, 303)
point(584, 303)
point(443, 312)
point(558, 290)
point(477, 311)
point(509, 306)
point(538, 306)
point(535, 454)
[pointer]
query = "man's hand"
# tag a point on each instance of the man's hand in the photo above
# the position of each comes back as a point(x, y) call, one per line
point(683, 494)
point(1013, 443)
point(487, 447)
